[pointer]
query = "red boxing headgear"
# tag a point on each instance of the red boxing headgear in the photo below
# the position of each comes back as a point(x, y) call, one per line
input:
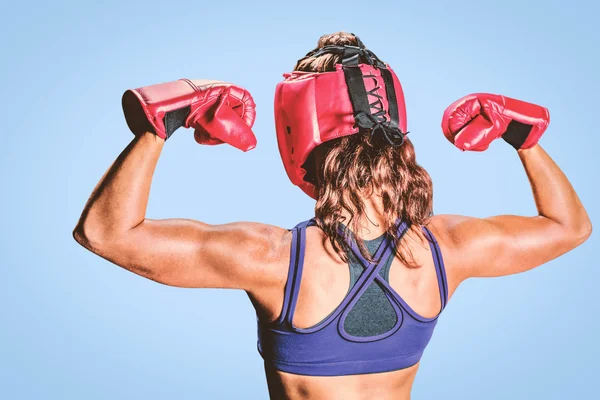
point(362, 95)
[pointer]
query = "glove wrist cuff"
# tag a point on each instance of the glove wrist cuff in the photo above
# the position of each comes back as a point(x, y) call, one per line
point(517, 133)
point(175, 119)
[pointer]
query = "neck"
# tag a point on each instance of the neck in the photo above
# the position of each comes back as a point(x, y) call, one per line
point(372, 225)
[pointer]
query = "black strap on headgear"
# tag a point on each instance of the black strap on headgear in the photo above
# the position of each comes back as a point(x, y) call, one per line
point(376, 122)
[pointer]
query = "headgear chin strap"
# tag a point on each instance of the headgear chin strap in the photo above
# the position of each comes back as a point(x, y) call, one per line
point(363, 95)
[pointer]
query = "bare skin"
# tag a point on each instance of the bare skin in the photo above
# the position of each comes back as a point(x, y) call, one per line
point(254, 257)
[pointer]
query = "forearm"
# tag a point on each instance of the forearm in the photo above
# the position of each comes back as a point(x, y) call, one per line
point(554, 196)
point(510, 244)
point(118, 203)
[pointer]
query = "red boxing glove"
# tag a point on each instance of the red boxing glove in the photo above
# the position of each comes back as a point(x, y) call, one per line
point(219, 112)
point(474, 121)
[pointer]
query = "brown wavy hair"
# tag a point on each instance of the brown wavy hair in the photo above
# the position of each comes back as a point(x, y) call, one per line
point(357, 167)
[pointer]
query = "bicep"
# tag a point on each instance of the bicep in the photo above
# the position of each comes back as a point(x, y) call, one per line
point(186, 253)
point(503, 245)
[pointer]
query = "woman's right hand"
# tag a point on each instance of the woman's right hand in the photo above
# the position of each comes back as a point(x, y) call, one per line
point(474, 121)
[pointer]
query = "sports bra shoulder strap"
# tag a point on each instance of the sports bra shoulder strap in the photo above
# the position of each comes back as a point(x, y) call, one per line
point(292, 287)
point(379, 256)
point(306, 224)
point(439, 266)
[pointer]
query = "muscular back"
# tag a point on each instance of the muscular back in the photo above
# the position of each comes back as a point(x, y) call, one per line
point(325, 283)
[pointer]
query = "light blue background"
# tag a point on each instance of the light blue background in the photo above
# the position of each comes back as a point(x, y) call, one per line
point(73, 326)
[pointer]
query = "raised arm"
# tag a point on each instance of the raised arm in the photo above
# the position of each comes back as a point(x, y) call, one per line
point(175, 252)
point(508, 244)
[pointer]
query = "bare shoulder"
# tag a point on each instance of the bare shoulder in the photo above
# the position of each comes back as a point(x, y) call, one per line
point(264, 241)
point(240, 255)
point(459, 239)
point(495, 246)
point(268, 266)
point(449, 229)
point(266, 247)
point(459, 231)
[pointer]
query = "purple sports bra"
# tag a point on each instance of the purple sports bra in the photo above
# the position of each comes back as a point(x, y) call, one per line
point(326, 349)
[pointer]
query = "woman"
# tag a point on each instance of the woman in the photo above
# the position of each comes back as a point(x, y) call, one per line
point(347, 301)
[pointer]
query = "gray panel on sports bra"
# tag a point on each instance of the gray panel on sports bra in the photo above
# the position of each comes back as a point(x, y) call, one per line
point(373, 313)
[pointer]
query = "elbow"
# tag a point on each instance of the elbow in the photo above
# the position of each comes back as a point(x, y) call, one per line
point(578, 233)
point(90, 237)
point(585, 231)
point(81, 236)
point(97, 237)
point(78, 234)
